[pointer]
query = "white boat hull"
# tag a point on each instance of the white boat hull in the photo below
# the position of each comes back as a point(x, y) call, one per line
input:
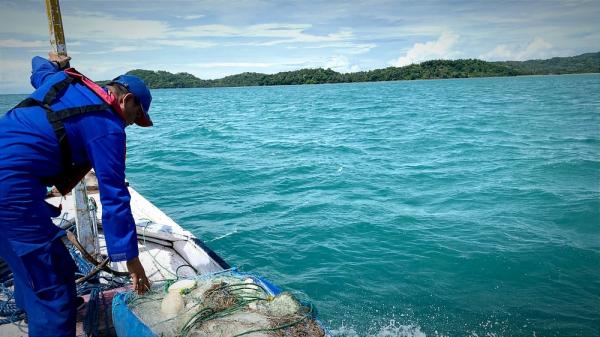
point(166, 250)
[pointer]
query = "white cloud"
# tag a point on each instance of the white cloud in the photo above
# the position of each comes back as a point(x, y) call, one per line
point(340, 63)
point(280, 33)
point(103, 68)
point(103, 27)
point(349, 47)
point(361, 48)
point(191, 17)
point(88, 26)
point(537, 48)
point(109, 28)
point(13, 43)
point(124, 49)
point(212, 70)
point(501, 52)
point(118, 49)
point(438, 49)
point(233, 65)
point(186, 43)
point(24, 22)
point(207, 31)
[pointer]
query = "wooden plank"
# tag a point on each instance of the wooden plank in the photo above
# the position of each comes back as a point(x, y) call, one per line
point(55, 28)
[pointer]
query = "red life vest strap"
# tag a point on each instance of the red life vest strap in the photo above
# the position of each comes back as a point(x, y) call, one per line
point(107, 97)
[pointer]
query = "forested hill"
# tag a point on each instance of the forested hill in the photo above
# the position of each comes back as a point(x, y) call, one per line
point(585, 63)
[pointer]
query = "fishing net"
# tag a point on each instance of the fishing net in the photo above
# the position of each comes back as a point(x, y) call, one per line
point(226, 304)
point(9, 312)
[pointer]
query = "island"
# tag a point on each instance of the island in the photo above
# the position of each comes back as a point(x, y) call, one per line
point(434, 69)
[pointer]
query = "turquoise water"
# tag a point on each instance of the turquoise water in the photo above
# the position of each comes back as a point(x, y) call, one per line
point(466, 207)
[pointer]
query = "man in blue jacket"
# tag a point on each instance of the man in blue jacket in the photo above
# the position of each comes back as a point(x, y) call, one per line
point(63, 127)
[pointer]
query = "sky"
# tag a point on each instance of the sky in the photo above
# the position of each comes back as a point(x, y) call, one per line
point(213, 39)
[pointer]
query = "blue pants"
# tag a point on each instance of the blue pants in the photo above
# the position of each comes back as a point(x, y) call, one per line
point(42, 267)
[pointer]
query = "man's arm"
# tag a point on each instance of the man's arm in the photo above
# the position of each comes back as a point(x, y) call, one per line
point(41, 70)
point(107, 154)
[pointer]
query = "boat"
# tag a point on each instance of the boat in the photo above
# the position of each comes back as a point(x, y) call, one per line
point(170, 255)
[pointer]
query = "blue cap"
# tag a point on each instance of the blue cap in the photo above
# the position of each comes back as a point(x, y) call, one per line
point(138, 88)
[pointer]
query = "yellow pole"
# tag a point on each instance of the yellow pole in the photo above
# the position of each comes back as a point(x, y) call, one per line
point(55, 27)
point(87, 230)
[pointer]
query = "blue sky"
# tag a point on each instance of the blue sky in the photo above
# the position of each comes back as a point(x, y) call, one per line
point(212, 39)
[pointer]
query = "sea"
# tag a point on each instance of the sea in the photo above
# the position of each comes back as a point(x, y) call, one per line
point(458, 207)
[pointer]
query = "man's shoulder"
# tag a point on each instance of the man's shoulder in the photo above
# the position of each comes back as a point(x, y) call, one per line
point(103, 122)
point(99, 123)
point(60, 93)
point(50, 87)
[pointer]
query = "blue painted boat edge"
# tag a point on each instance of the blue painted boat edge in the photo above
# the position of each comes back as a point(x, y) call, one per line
point(130, 325)
point(261, 281)
point(125, 321)
point(275, 290)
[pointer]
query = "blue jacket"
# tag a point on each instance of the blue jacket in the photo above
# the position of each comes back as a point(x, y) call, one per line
point(29, 145)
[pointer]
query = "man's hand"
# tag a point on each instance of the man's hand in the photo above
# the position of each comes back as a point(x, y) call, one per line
point(141, 284)
point(61, 60)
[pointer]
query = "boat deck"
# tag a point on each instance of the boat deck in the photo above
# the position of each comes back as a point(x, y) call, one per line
point(166, 249)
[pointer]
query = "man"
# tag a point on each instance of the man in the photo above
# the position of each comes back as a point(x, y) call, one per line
point(67, 125)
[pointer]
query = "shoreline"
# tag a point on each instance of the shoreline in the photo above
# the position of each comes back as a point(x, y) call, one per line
point(414, 80)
